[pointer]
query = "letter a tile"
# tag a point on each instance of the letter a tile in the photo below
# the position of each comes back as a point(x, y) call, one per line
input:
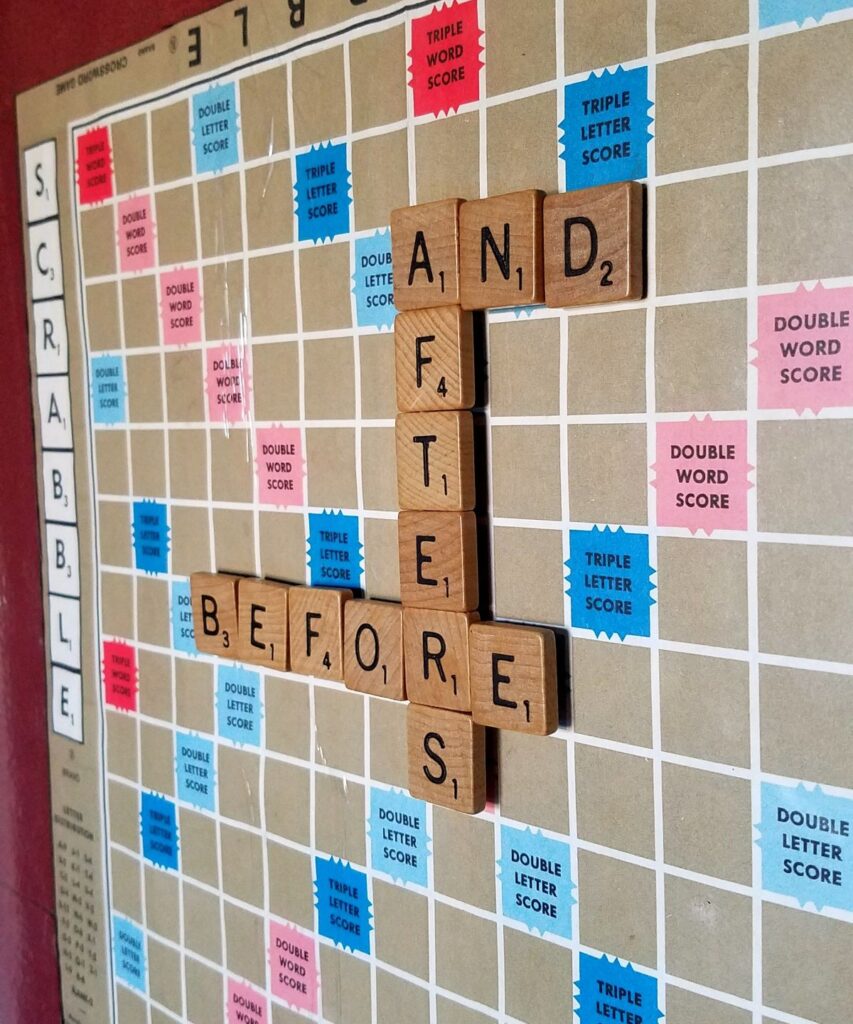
point(425, 251)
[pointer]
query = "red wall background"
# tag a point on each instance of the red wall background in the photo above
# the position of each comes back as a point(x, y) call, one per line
point(37, 41)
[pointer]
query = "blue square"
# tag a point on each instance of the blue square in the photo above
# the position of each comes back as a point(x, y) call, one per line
point(215, 128)
point(610, 991)
point(536, 880)
point(238, 704)
point(150, 536)
point(334, 550)
point(159, 831)
point(609, 575)
point(373, 281)
point(108, 389)
point(195, 770)
point(399, 840)
point(181, 611)
point(605, 131)
point(129, 953)
point(777, 12)
point(807, 845)
point(322, 192)
point(343, 908)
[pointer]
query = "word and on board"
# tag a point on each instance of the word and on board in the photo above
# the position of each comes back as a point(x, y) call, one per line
point(460, 675)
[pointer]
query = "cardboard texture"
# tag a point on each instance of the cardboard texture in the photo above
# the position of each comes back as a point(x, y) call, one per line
point(221, 225)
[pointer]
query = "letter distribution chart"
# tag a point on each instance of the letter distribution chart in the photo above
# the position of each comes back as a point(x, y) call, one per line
point(301, 602)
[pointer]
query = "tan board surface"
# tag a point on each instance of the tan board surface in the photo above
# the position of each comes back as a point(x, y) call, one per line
point(662, 483)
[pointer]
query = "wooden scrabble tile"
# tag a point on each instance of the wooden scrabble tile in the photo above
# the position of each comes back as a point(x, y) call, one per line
point(501, 250)
point(594, 245)
point(316, 616)
point(513, 677)
point(425, 254)
point(438, 560)
point(436, 648)
point(435, 461)
point(447, 758)
point(262, 622)
point(373, 648)
point(434, 351)
point(214, 602)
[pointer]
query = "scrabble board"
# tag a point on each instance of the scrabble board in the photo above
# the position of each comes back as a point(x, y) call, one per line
point(661, 484)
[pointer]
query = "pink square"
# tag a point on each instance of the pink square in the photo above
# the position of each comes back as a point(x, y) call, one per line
point(280, 465)
point(246, 1005)
point(701, 474)
point(293, 959)
point(119, 673)
point(805, 349)
point(94, 166)
point(228, 383)
point(135, 234)
point(180, 306)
